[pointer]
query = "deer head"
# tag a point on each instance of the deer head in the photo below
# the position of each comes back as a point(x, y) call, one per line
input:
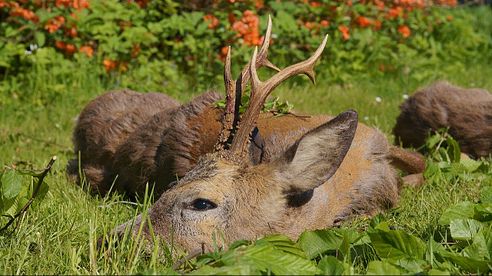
point(231, 194)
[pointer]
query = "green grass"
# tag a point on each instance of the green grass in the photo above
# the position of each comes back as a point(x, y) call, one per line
point(59, 234)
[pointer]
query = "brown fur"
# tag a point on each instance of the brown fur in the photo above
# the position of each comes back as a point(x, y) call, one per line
point(104, 124)
point(466, 112)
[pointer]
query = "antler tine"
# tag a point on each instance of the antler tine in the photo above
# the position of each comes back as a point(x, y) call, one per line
point(260, 91)
point(228, 119)
point(262, 59)
point(234, 88)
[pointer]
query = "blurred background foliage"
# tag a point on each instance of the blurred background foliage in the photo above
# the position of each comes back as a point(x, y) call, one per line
point(180, 45)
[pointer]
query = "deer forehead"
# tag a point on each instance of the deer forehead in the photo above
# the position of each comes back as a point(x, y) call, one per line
point(218, 178)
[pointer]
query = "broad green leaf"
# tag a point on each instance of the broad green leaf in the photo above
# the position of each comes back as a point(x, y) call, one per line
point(432, 141)
point(240, 269)
point(470, 165)
point(239, 243)
point(464, 229)
point(40, 38)
point(315, 243)
point(480, 248)
point(285, 244)
point(469, 264)
point(462, 210)
point(383, 226)
point(353, 236)
point(396, 244)
point(382, 268)
point(486, 194)
point(6, 205)
point(412, 266)
point(12, 210)
point(435, 271)
point(263, 256)
point(11, 184)
point(453, 149)
point(483, 212)
point(22, 201)
point(345, 246)
point(42, 190)
point(330, 265)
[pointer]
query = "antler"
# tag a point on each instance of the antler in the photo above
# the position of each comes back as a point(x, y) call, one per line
point(260, 91)
point(234, 88)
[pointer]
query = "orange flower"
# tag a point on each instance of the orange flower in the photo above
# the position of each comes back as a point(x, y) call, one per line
point(449, 18)
point(259, 4)
point(310, 25)
point(324, 23)
point(24, 13)
point(240, 27)
point(64, 3)
point(404, 31)
point(109, 64)
point(248, 13)
point(80, 4)
point(70, 49)
point(223, 53)
point(54, 24)
point(345, 32)
point(363, 21)
point(87, 50)
point(72, 32)
point(450, 3)
point(224, 50)
point(213, 21)
point(394, 12)
point(379, 4)
point(315, 4)
point(247, 28)
point(60, 44)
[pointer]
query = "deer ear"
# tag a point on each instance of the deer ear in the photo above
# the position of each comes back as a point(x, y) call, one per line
point(316, 156)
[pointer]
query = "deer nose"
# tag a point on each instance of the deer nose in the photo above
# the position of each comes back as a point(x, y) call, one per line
point(125, 231)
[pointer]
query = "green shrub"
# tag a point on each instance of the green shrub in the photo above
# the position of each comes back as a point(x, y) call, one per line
point(166, 45)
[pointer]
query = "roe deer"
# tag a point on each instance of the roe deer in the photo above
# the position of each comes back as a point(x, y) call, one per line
point(466, 112)
point(128, 139)
point(247, 175)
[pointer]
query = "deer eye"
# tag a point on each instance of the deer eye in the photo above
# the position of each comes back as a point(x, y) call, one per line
point(201, 204)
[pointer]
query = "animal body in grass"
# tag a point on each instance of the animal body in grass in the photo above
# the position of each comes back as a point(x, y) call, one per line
point(241, 176)
point(466, 113)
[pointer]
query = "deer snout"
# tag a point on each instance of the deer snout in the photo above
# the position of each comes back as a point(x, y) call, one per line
point(132, 230)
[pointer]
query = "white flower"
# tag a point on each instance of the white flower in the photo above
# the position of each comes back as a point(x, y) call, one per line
point(366, 118)
point(405, 96)
point(379, 99)
point(27, 52)
point(33, 47)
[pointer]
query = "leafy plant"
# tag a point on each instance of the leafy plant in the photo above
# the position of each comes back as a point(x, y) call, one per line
point(16, 196)
point(190, 39)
